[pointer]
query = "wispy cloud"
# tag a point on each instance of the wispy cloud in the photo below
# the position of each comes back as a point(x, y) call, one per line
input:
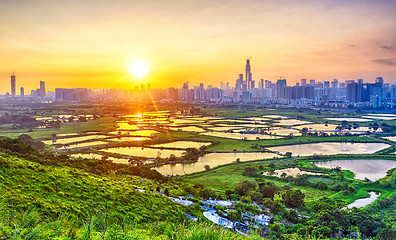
point(385, 61)
point(387, 47)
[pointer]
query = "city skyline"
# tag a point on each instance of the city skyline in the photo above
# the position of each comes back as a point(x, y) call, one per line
point(91, 43)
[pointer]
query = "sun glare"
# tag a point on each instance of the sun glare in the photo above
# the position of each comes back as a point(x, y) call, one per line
point(138, 69)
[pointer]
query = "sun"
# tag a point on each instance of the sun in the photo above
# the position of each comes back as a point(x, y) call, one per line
point(138, 69)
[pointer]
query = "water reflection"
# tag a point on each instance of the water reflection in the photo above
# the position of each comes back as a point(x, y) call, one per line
point(213, 160)
point(372, 169)
point(365, 201)
point(330, 148)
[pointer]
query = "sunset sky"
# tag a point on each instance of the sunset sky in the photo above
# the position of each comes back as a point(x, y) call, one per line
point(90, 43)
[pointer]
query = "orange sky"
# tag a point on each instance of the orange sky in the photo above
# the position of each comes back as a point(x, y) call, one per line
point(89, 43)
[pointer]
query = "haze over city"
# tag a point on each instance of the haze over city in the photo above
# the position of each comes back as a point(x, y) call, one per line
point(94, 44)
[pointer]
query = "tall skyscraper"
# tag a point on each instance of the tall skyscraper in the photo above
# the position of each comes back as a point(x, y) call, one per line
point(185, 92)
point(261, 83)
point(239, 82)
point(22, 92)
point(303, 82)
point(42, 91)
point(354, 92)
point(312, 82)
point(281, 86)
point(248, 74)
point(13, 85)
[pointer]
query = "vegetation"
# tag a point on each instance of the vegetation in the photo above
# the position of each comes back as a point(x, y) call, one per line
point(47, 196)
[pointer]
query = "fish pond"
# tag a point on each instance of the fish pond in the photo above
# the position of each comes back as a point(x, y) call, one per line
point(144, 152)
point(182, 144)
point(372, 169)
point(213, 160)
point(330, 148)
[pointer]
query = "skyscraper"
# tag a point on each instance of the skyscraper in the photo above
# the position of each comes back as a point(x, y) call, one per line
point(22, 92)
point(13, 85)
point(248, 74)
point(239, 82)
point(334, 83)
point(42, 91)
point(281, 86)
point(354, 92)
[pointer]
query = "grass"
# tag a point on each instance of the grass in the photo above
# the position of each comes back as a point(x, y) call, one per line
point(227, 177)
point(31, 224)
point(58, 189)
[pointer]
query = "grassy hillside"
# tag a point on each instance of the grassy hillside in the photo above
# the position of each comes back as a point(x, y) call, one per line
point(57, 189)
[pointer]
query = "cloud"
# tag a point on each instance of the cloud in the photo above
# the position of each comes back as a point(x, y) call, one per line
point(386, 61)
point(387, 47)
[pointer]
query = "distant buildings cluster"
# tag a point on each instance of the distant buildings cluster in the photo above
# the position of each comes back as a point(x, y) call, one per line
point(37, 93)
point(246, 90)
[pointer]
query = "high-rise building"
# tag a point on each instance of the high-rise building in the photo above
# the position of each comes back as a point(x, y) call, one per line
point(312, 82)
point(22, 92)
point(185, 92)
point(303, 82)
point(239, 82)
point(281, 88)
point(261, 83)
point(13, 85)
point(41, 91)
point(246, 96)
point(334, 83)
point(248, 74)
point(375, 101)
point(354, 92)
point(326, 84)
point(70, 94)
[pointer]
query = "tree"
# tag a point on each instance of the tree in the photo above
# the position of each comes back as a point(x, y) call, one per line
point(268, 189)
point(256, 196)
point(207, 167)
point(304, 131)
point(293, 198)
point(288, 154)
point(36, 144)
point(244, 187)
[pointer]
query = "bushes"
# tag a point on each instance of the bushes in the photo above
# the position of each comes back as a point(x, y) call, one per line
point(244, 187)
point(293, 198)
